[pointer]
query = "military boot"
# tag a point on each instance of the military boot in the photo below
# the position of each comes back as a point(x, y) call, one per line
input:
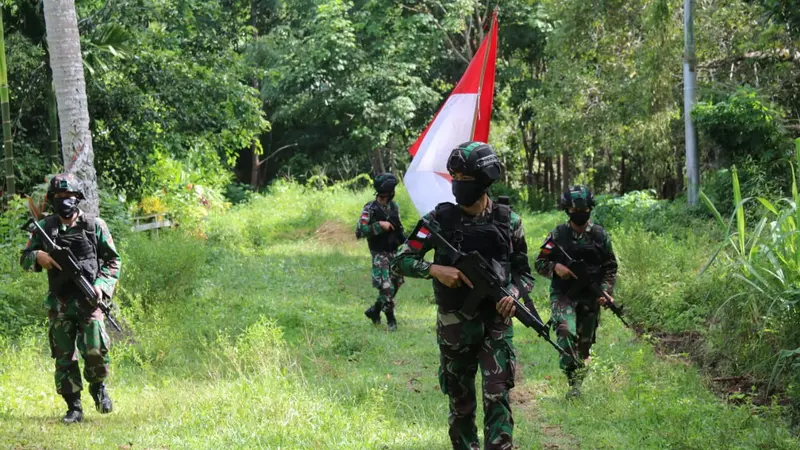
point(575, 379)
point(374, 313)
point(391, 320)
point(102, 402)
point(74, 410)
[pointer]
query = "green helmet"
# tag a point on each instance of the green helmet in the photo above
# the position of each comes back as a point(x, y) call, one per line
point(64, 182)
point(476, 159)
point(577, 197)
point(384, 183)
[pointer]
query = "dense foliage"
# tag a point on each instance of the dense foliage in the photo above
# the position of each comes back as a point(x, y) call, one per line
point(251, 91)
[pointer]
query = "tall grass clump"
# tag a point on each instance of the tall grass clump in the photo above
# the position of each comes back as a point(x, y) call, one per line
point(661, 247)
point(642, 209)
point(291, 211)
point(659, 283)
point(21, 294)
point(763, 314)
point(160, 268)
point(258, 352)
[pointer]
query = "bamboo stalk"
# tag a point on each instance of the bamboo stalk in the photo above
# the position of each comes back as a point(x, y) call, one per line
point(6, 114)
point(52, 118)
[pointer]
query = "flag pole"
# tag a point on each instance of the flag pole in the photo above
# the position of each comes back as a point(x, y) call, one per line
point(483, 71)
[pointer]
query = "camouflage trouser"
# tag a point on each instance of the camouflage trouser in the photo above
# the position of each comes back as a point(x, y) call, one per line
point(69, 327)
point(576, 324)
point(384, 280)
point(465, 345)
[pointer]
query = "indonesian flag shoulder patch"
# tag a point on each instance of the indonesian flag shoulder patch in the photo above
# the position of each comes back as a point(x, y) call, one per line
point(415, 240)
point(549, 244)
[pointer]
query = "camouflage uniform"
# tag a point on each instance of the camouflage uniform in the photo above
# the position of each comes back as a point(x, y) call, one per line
point(576, 318)
point(70, 320)
point(466, 343)
point(386, 282)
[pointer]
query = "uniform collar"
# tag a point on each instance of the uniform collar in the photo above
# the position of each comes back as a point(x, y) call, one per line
point(486, 211)
point(79, 219)
point(588, 229)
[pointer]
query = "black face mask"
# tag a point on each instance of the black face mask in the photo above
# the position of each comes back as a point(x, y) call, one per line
point(66, 207)
point(467, 192)
point(580, 218)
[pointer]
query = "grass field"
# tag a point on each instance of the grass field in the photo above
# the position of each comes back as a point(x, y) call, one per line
point(266, 346)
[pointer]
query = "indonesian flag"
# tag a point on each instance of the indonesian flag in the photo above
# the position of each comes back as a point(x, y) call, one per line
point(465, 116)
point(548, 245)
point(416, 239)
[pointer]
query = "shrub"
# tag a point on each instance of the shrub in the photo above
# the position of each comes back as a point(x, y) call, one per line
point(21, 294)
point(755, 180)
point(742, 125)
point(764, 312)
point(116, 214)
point(160, 268)
point(658, 279)
point(641, 209)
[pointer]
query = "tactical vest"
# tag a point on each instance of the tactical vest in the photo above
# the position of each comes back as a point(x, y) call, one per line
point(491, 239)
point(389, 241)
point(592, 252)
point(83, 246)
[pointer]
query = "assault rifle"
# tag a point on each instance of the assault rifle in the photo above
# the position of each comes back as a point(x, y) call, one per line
point(584, 280)
point(488, 283)
point(71, 272)
point(397, 236)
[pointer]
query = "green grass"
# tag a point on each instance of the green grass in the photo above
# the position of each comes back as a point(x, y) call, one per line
point(264, 345)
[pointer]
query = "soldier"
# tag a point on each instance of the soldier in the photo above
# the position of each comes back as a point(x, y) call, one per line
point(484, 339)
point(73, 321)
point(380, 224)
point(575, 314)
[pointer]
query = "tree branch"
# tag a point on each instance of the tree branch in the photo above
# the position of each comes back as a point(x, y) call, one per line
point(783, 54)
point(486, 11)
point(450, 42)
point(481, 33)
point(467, 35)
point(276, 152)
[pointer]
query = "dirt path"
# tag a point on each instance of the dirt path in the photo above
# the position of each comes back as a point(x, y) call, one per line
point(523, 402)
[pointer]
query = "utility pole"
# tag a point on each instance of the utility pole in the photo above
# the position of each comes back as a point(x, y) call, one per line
point(689, 96)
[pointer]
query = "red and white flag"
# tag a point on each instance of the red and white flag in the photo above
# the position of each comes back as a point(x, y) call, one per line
point(415, 240)
point(465, 116)
point(548, 245)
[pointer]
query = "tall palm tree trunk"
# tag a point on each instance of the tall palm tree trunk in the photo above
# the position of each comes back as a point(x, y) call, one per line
point(64, 44)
